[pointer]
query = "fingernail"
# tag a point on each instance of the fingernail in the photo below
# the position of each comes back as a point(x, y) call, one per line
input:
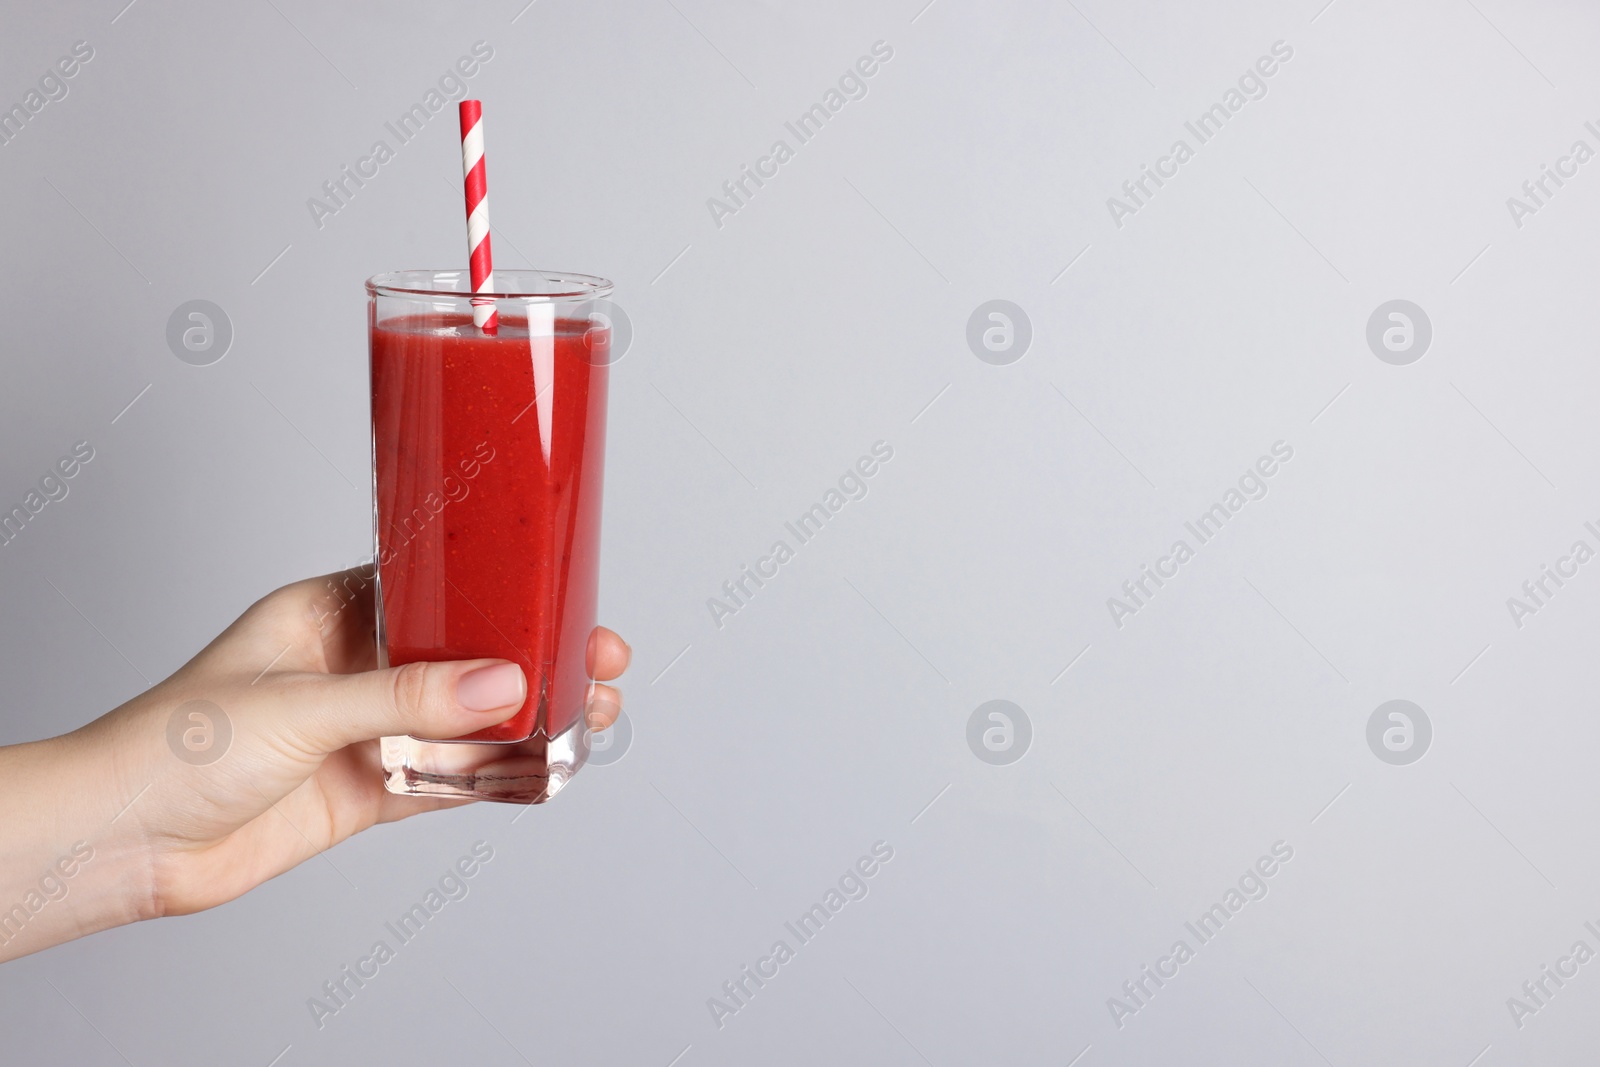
point(601, 705)
point(488, 688)
point(600, 714)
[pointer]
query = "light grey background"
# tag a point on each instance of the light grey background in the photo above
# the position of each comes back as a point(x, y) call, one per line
point(771, 352)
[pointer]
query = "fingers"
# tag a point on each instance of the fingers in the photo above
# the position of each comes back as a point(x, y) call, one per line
point(608, 658)
point(344, 612)
point(431, 700)
point(605, 704)
point(321, 625)
point(608, 654)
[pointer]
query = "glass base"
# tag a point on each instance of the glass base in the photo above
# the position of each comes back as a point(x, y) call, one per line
point(520, 772)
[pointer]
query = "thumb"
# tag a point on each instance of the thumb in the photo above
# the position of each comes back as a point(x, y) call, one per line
point(431, 700)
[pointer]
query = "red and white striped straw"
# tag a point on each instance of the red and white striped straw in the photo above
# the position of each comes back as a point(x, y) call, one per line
point(477, 187)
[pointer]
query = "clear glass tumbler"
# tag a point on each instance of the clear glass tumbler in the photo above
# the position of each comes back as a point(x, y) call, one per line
point(487, 457)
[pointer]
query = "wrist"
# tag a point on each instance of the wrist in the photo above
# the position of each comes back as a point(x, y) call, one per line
point(75, 860)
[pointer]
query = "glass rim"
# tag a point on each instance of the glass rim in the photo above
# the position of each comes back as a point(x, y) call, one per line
point(558, 285)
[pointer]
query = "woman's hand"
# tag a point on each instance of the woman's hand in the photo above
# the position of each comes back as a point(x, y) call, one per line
point(291, 691)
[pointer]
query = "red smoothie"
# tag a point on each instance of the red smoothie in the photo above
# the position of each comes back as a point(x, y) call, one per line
point(489, 452)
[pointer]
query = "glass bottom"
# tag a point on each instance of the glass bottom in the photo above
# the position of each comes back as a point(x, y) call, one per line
point(521, 772)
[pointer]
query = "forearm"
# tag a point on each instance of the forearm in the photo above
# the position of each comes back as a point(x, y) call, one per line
point(171, 804)
point(71, 855)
